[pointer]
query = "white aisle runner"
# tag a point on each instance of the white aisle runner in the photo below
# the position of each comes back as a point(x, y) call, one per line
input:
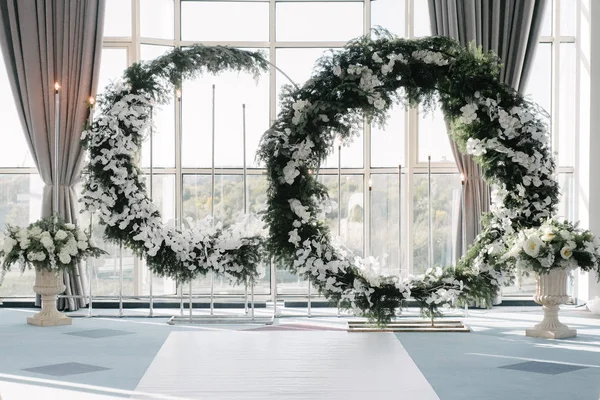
point(315, 365)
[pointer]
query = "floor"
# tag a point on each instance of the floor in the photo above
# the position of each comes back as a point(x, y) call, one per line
point(296, 358)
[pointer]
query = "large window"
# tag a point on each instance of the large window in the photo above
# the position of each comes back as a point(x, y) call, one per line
point(378, 211)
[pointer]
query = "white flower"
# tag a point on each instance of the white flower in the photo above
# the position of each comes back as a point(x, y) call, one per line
point(64, 257)
point(8, 244)
point(566, 234)
point(566, 253)
point(82, 245)
point(469, 113)
point(81, 236)
point(532, 246)
point(475, 147)
point(294, 237)
point(548, 236)
point(36, 231)
point(47, 241)
point(70, 226)
point(290, 172)
point(337, 70)
point(379, 104)
point(60, 235)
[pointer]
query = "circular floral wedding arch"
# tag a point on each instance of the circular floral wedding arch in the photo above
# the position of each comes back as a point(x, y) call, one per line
point(506, 134)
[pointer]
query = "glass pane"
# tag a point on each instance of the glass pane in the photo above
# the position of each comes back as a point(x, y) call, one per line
point(297, 64)
point(567, 194)
point(568, 18)
point(566, 105)
point(228, 207)
point(20, 204)
point(547, 19)
point(389, 14)
point(164, 122)
point(112, 65)
point(14, 152)
point(328, 21)
point(445, 191)
point(433, 137)
point(163, 195)
point(232, 90)
point(117, 18)
point(387, 143)
point(352, 209)
point(422, 25)
point(228, 201)
point(385, 223)
point(157, 19)
point(539, 84)
point(224, 21)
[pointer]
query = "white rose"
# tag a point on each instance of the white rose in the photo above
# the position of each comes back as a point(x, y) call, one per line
point(546, 237)
point(8, 244)
point(566, 234)
point(566, 253)
point(81, 236)
point(35, 231)
point(70, 226)
point(47, 242)
point(337, 70)
point(60, 235)
point(64, 258)
point(24, 243)
point(92, 243)
point(532, 246)
point(82, 245)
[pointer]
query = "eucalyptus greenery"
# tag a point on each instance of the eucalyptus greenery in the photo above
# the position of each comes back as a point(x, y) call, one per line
point(114, 186)
point(506, 133)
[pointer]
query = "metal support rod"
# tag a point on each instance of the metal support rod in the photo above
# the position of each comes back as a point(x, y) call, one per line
point(191, 301)
point(56, 147)
point(180, 288)
point(274, 286)
point(370, 205)
point(309, 304)
point(429, 214)
point(212, 198)
point(252, 299)
point(463, 214)
point(120, 279)
point(400, 222)
point(245, 181)
point(90, 268)
point(339, 232)
point(151, 187)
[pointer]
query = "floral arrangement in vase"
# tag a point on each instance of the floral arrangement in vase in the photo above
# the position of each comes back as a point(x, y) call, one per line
point(555, 244)
point(48, 244)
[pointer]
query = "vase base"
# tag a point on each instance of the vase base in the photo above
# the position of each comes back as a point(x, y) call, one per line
point(58, 321)
point(551, 334)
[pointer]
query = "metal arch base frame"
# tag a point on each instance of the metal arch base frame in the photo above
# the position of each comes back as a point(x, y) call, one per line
point(219, 320)
point(440, 325)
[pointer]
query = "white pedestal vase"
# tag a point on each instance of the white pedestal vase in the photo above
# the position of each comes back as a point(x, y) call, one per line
point(551, 291)
point(49, 286)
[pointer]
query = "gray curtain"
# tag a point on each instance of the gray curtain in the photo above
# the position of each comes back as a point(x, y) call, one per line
point(510, 28)
point(47, 41)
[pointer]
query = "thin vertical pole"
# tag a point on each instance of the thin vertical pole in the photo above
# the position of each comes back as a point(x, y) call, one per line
point(90, 268)
point(245, 182)
point(339, 227)
point(430, 225)
point(400, 221)
point(151, 187)
point(191, 301)
point(56, 147)
point(180, 286)
point(212, 200)
point(463, 218)
point(274, 286)
point(120, 279)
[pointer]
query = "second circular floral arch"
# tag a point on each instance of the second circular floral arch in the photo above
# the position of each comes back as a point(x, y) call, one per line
point(504, 132)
